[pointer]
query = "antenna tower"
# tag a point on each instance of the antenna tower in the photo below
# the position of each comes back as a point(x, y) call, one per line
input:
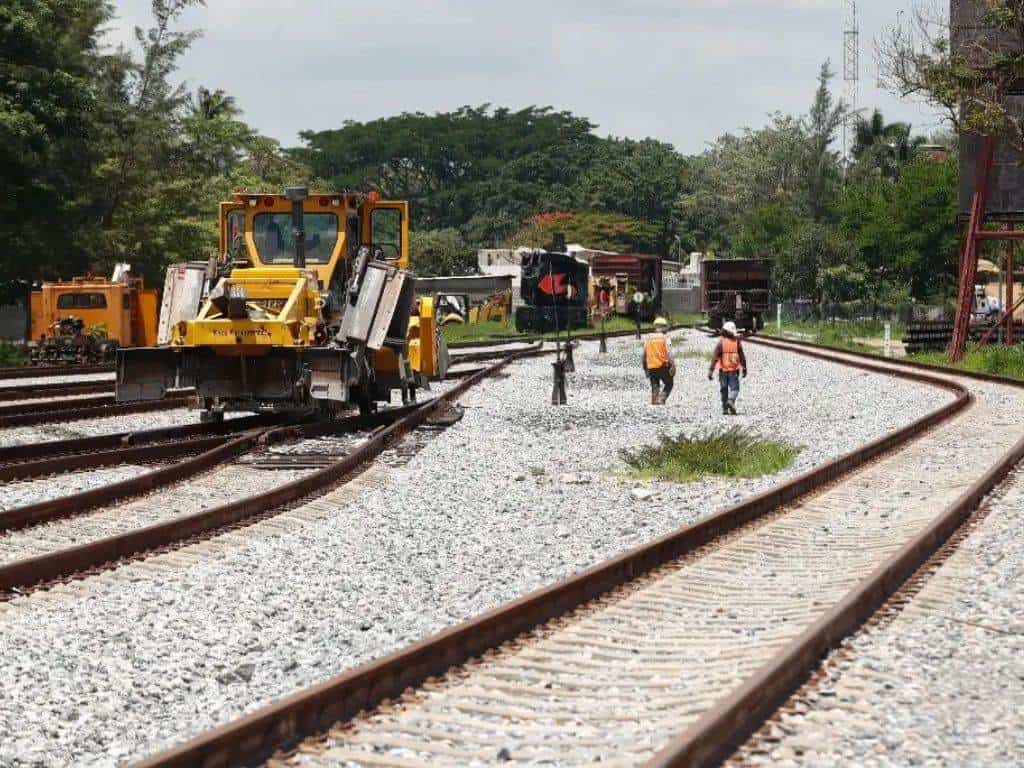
point(851, 72)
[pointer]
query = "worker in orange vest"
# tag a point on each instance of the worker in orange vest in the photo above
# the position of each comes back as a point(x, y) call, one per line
point(658, 363)
point(729, 358)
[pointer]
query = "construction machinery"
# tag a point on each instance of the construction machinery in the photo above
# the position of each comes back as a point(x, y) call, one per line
point(459, 308)
point(310, 309)
point(84, 320)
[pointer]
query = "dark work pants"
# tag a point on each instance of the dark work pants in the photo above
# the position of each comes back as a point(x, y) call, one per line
point(730, 386)
point(661, 377)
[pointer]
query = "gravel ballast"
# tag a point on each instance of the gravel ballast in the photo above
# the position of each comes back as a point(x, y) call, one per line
point(940, 682)
point(516, 495)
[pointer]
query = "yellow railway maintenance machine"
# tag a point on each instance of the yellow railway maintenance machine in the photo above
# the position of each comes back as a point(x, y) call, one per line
point(310, 309)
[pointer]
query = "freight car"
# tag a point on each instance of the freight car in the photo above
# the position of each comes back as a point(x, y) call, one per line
point(737, 290)
point(618, 276)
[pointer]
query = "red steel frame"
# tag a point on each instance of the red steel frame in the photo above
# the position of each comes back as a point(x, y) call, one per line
point(968, 268)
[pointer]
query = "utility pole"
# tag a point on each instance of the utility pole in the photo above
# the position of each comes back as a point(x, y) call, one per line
point(851, 74)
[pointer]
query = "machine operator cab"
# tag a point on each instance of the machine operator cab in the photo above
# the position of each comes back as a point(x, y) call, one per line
point(311, 307)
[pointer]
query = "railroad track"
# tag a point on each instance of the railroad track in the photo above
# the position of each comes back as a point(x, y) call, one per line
point(676, 651)
point(36, 552)
point(41, 391)
point(46, 371)
point(85, 407)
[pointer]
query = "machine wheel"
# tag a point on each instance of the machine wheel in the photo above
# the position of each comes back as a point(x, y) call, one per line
point(365, 403)
point(211, 417)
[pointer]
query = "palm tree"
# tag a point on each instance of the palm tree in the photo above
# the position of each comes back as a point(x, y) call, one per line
point(887, 146)
point(212, 104)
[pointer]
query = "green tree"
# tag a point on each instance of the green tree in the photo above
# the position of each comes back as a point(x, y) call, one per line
point(916, 59)
point(436, 252)
point(594, 229)
point(766, 231)
point(454, 166)
point(822, 172)
point(48, 131)
point(641, 179)
point(882, 147)
point(818, 264)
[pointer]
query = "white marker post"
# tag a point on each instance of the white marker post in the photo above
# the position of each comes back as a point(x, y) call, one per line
point(778, 316)
point(886, 345)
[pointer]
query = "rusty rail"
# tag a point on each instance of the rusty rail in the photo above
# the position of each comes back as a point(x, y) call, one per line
point(280, 724)
point(46, 371)
point(39, 391)
point(993, 378)
point(83, 408)
point(100, 444)
point(720, 730)
point(24, 574)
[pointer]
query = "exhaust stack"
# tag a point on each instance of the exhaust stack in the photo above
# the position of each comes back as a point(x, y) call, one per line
point(297, 195)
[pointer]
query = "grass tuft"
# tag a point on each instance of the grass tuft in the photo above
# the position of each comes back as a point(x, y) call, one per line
point(731, 452)
point(998, 359)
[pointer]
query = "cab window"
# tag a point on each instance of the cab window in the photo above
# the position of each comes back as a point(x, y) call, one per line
point(81, 301)
point(236, 233)
point(386, 230)
point(276, 245)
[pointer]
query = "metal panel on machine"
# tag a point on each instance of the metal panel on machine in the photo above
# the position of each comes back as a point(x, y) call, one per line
point(183, 295)
point(358, 320)
point(386, 309)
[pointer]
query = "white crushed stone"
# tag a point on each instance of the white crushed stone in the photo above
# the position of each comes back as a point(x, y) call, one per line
point(23, 492)
point(941, 682)
point(516, 495)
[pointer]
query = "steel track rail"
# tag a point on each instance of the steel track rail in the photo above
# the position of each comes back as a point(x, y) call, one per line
point(40, 391)
point(26, 574)
point(78, 410)
point(213, 451)
point(992, 378)
point(105, 448)
point(46, 371)
point(734, 719)
point(141, 454)
point(281, 724)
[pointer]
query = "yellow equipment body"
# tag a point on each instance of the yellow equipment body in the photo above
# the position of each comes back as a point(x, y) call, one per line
point(310, 306)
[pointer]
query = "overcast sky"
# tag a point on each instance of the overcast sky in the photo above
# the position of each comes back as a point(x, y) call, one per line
point(683, 71)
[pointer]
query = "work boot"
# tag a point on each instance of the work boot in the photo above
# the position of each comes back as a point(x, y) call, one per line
point(732, 409)
point(725, 409)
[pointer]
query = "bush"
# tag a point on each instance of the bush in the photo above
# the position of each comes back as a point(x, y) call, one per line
point(727, 453)
point(12, 355)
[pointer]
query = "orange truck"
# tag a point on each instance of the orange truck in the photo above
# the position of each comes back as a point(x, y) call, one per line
point(86, 319)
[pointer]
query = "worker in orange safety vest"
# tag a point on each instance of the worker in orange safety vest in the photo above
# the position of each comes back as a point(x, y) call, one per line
point(729, 358)
point(658, 363)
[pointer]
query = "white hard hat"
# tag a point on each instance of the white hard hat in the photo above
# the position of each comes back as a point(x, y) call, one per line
point(730, 328)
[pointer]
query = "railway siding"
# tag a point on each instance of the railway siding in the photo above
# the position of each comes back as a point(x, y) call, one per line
point(937, 675)
point(514, 496)
point(641, 665)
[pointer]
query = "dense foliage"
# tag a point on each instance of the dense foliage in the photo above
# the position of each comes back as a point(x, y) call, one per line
point(105, 158)
point(102, 156)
